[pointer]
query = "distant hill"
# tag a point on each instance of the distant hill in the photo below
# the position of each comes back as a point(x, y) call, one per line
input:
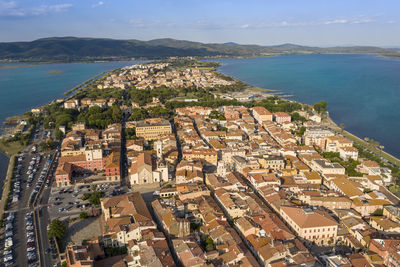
point(79, 49)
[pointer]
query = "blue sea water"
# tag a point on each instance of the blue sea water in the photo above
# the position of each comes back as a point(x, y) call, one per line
point(27, 87)
point(362, 91)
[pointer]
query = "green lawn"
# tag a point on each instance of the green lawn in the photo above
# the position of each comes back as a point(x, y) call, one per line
point(11, 148)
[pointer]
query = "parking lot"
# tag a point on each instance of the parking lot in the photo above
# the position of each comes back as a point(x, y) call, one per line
point(19, 243)
point(20, 237)
point(67, 202)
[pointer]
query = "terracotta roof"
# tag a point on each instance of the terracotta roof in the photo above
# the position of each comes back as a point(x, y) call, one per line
point(308, 219)
point(262, 111)
point(71, 159)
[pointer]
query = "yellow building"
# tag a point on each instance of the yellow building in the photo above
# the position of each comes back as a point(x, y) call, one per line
point(261, 114)
point(152, 129)
point(312, 225)
point(208, 155)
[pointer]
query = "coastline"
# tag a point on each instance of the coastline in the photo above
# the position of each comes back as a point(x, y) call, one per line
point(5, 188)
point(4, 162)
point(332, 125)
point(328, 121)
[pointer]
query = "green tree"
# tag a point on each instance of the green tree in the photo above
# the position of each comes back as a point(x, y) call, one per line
point(301, 131)
point(321, 106)
point(297, 117)
point(57, 229)
point(83, 215)
point(95, 197)
point(138, 114)
point(116, 113)
point(341, 126)
point(130, 133)
point(59, 135)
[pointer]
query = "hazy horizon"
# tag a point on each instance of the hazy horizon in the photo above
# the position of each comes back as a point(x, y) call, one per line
point(227, 42)
point(309, 22)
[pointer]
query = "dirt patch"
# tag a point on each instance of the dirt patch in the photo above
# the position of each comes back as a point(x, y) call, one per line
point(82, 229)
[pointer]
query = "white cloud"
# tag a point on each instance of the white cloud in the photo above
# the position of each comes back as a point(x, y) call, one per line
point(336, 21)
point(287, 23)
point(12, 9)
point(100, 3)
point(362, 21)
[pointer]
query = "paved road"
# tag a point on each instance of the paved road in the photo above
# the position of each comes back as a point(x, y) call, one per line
point(43, 220)
point(22, 208)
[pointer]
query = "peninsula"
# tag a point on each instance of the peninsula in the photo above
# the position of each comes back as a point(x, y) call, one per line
point(171, 163)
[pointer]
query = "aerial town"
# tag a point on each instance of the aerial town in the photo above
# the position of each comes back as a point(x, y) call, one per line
point(235, 184)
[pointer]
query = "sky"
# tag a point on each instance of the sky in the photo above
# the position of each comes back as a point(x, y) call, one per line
point(264, 22)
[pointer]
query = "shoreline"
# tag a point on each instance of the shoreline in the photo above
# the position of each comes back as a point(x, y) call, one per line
point(272, 54)
point(329, 122)
point(5, 190)
point(4, 162)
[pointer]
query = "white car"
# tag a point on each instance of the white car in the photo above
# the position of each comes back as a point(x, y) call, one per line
point(9, 242)
point(9, 257)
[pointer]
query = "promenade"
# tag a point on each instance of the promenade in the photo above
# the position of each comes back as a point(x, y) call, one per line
point(6, 184)
point(333, 126)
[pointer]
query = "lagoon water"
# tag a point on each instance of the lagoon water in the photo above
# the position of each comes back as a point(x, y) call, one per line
point(362, 91)
point(24, 88)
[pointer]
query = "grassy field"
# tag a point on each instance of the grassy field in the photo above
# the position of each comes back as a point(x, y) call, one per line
point(11, 148)
point(258, 89)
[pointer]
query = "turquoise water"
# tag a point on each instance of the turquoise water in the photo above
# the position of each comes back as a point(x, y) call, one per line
point(362, 91)
point(24, 88)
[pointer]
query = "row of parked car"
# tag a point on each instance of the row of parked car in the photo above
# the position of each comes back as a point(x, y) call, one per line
point(17, 179)
point(41, 179)
point(30, 240)
point(8, 256)
point(32, 168)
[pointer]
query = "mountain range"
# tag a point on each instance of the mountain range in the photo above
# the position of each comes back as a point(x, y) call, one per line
point(68, 49)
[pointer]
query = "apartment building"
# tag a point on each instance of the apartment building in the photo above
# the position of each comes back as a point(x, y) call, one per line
point(151, 129)
point(261, 114)
point(312, 225)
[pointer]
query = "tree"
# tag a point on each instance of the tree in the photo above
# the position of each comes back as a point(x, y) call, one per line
point(116, 113)
point(321, 106)
point(59, 135)
point(83, 215)
point(138, 114)
point(95, 197)
point(301, 131)
point(341, 126)
point(297, 117)
point(130, 133)
point(57, 229)
point(209, 244)
point(216, 115)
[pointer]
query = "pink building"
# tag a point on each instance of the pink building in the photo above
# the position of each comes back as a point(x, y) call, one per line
point(281, 117)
